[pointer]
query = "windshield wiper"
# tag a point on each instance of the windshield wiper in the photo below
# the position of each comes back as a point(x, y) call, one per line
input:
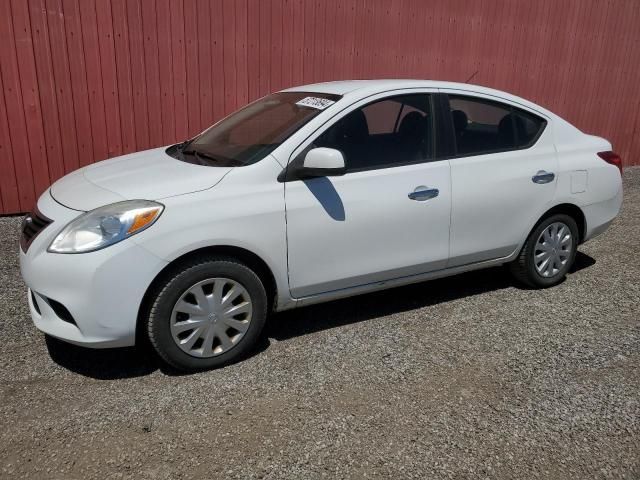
point(181, 146)
point(208, 159)
point(201, 156)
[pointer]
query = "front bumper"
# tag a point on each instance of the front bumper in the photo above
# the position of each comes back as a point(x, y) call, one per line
point(101, 290)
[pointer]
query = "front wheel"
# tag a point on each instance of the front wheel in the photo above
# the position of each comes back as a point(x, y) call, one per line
point(548, 253)
point(208, 313)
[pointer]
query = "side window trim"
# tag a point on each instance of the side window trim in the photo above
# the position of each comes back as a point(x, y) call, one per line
point(493, 98)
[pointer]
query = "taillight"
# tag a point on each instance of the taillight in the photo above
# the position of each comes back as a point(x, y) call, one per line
point(612, 158)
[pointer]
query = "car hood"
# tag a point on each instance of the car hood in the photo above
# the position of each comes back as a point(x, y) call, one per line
point(148, 175)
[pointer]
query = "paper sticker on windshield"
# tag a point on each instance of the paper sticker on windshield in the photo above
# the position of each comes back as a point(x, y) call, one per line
point(315, 102)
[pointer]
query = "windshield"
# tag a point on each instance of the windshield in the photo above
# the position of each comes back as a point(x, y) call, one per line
point(253, 132)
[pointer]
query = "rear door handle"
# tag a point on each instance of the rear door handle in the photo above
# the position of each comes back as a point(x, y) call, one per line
point(423, 193)
point(543, 177)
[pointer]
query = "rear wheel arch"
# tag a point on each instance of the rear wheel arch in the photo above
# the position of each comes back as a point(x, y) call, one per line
point(246, 257)
point(548, 252)
point(573, 211)
point(570, 209)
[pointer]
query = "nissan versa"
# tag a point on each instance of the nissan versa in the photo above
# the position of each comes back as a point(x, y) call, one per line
point(308, 195)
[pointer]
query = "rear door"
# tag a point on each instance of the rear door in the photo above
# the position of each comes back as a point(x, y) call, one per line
point(503, 176)
point(387, 217)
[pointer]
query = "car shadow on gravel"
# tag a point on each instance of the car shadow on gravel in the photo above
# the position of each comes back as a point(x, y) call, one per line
point(116, 363)
point(305, 320)
point(581, 262)
point(103, 364)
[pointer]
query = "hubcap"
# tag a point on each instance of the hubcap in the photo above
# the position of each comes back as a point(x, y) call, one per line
point(211, 317)
point(553, 249)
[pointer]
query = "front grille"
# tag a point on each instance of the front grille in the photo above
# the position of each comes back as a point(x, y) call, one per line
point(32, 225)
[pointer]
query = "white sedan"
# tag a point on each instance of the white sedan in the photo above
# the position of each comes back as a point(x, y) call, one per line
point(304, 196)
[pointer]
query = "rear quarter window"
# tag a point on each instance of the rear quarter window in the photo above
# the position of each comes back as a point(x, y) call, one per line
point(530, 127)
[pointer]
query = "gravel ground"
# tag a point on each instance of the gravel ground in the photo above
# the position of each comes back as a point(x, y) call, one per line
point(463, 377)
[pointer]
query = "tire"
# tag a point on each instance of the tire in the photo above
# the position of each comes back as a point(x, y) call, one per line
point(191, 303)
point(536, 274)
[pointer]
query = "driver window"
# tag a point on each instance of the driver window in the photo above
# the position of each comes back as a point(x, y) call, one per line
point(390, 132)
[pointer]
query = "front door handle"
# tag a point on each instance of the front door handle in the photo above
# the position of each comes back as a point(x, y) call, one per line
point(423, 193)
point(543, 177)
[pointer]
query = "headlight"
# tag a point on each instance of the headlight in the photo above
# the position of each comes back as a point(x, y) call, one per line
point(105, 226)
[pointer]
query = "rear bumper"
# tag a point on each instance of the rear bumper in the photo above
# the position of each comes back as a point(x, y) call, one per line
point(600, 215)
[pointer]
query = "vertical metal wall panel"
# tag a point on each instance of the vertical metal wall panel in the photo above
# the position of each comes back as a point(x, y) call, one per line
point(15, 148)
point(204, 58)
point(138, 76)
point(152, 70)
point(123, 71)
point(51, 111)
point(192, 65)
point(217, 61)
point(228, 64)
point(253, 49)
point(79, 88)
point(30, 96)
point(91, 51)
point(275, 56)
point(85, 80)
point(179, 69)
point(62, 82)
point(167, 104)
point(9, 198)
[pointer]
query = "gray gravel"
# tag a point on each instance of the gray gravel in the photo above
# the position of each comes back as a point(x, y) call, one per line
point(462, 377)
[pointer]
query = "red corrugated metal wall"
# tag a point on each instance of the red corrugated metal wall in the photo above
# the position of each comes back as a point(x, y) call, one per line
point(83, 80)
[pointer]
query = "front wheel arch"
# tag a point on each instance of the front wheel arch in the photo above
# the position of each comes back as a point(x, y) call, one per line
point(248, 258)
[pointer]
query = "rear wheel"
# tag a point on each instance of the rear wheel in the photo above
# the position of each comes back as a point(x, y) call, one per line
point(209, 313)
point(548, 253)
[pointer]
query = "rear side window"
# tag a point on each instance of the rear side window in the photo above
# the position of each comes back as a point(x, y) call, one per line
point(483, 126)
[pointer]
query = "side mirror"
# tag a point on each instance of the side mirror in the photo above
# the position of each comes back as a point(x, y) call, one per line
point(322, 162)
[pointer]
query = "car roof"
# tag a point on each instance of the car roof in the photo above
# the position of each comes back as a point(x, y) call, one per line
point(356, 89)
point(343, 87)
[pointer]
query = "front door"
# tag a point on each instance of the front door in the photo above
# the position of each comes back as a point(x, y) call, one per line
point(387, 217)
